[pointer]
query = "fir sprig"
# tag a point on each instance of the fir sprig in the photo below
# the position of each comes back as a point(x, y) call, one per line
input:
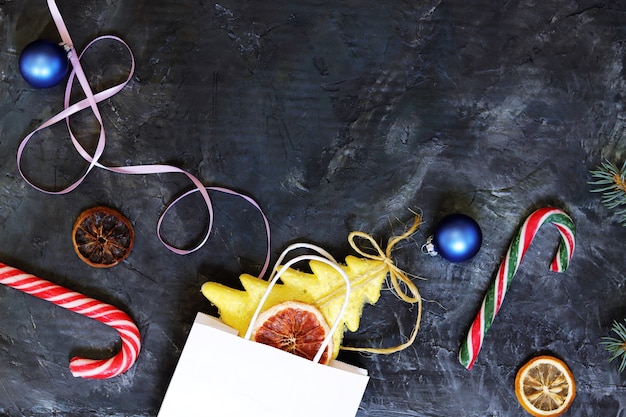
point(617, 345)
point(611, 182)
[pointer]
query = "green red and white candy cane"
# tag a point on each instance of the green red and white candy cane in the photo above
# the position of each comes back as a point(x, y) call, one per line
point(89, 307)
point(498, 288)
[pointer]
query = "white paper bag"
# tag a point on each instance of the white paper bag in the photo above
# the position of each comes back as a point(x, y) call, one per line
point(223, 375)
point(220, 374)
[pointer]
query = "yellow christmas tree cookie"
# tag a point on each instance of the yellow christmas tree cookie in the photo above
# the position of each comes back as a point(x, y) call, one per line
point(323, 288)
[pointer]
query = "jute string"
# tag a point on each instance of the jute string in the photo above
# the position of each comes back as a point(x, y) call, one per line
point(396, 276)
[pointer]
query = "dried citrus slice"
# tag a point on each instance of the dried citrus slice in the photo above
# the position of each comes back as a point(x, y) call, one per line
point(545, 386)
point(102, 237)
point(294, 327)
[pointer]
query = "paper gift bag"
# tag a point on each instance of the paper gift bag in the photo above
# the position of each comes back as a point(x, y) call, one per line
point(223, 375)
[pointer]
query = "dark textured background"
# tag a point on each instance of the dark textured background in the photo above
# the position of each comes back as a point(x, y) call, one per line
point(334, 116)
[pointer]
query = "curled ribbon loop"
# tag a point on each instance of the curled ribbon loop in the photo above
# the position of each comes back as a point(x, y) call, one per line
point(91, 101)
point(396, 276)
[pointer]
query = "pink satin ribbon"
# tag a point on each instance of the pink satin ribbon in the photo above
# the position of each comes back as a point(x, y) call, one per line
point(91, 101)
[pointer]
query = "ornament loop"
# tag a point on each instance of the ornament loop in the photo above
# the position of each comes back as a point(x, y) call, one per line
point(429, 247)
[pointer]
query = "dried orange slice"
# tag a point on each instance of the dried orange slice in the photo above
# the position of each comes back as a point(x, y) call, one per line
point(102, 237)
point(294, 327)
point(545, 386)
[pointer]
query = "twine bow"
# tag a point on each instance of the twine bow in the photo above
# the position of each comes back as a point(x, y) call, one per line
point(396, 277)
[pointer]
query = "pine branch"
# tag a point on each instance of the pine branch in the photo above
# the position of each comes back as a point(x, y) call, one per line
point(611, 182)
point(617, 345)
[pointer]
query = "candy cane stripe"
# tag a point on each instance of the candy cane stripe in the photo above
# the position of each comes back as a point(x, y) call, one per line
point(508, 267)
point(89, 307)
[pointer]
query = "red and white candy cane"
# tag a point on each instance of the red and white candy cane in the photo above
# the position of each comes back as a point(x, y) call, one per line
point(94, 309)
point(495, 294)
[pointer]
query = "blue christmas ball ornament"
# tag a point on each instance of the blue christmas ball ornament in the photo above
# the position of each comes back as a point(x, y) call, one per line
point(457, 238)
point(43, 63)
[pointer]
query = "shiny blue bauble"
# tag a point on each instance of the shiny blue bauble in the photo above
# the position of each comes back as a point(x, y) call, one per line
point(457, 238)
point(43, 63)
